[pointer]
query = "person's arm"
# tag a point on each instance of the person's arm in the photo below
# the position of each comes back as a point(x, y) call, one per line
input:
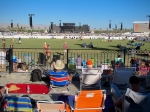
point(118, 102)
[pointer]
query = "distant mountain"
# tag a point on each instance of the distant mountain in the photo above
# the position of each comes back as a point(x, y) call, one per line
point(36, 26)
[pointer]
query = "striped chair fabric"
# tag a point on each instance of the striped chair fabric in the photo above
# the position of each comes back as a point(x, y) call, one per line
point(19, 104)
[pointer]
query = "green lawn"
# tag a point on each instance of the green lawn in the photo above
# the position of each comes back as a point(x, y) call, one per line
point(72, 44)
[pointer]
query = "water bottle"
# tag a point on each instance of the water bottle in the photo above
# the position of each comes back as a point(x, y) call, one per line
point(28, 89)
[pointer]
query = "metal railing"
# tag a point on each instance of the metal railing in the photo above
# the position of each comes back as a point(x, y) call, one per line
point(34, 58)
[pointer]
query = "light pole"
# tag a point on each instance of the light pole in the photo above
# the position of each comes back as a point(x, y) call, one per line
point(60, 26)
point(109, 24)
point(133, 27)
point(11, 25)
point(30, 20)
point(51, 26)
point(149, 24)
point(18, 26)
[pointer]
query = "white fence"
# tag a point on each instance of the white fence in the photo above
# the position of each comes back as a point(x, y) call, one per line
point(68, 37)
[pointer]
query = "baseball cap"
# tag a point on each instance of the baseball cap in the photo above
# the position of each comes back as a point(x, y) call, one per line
point(89, 62)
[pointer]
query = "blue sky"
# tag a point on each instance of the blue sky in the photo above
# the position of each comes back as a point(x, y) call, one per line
point(96, 13)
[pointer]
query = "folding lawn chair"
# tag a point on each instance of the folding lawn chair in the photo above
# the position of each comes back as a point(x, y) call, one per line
point(59, 81)
point(88, 101)
point(121, 77)
point(135, 101)
point(90, 78)
point(50, 106)
point(18, 104)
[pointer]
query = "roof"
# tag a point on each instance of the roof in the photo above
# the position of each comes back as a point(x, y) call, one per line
point(140, 21)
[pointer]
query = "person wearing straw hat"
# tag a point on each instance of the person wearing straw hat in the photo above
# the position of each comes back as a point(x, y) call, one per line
point(58, 69)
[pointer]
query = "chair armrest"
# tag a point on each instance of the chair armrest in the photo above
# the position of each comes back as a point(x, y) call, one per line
point(71, 104)
point(53, 102)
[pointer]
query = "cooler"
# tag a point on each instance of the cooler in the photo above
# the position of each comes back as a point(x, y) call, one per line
point(14, 59)
point(71, 61)
point(27, 58)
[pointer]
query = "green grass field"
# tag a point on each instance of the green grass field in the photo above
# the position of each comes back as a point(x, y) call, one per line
point(72, 44)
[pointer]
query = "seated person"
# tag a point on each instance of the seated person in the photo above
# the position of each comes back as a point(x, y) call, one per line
point(23, 68)
point(2, 101)
point(135, 86)
point(118, 59)
point(2, 91)
point(133, 62)
point(15, 64)
point(78, 62)
point(58, 69)
point(143, 69)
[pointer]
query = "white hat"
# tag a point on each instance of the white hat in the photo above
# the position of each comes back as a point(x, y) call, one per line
point(59, 64)
point(45, 43)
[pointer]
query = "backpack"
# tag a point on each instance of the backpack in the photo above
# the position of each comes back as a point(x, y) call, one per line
point(36, 75)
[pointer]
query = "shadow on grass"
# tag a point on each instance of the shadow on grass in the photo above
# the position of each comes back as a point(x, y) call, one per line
point(98, 48)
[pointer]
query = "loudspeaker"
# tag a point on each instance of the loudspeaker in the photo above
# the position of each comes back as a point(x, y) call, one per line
point(109, 26)
point(51, 26)
point(121, 26)
point(11, 25)
point(30, 21)
point(42, 58)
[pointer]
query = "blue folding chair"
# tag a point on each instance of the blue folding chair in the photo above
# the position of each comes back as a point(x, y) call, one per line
point(59, 80)
point(18, 104)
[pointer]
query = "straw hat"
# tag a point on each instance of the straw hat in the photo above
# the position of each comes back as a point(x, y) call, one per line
point(13, 87)
point(59, 64)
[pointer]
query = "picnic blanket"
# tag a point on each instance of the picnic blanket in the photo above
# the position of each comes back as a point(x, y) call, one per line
point(22, 88)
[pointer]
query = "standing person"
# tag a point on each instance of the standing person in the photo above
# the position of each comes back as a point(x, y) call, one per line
point(12, 40)
point(45, 48)
point(4, 47)
point(79, 62)
point(19, 40)
point(3, 40)
point(65, 48)
point(48, 52)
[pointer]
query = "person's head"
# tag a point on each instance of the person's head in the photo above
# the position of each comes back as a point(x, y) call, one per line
point(78, 56)
point(24, 68)
point(135, 83)
point(44, 43)
point(89, 64)
point(119, 56)
point(58, 65)
point(142, 63)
